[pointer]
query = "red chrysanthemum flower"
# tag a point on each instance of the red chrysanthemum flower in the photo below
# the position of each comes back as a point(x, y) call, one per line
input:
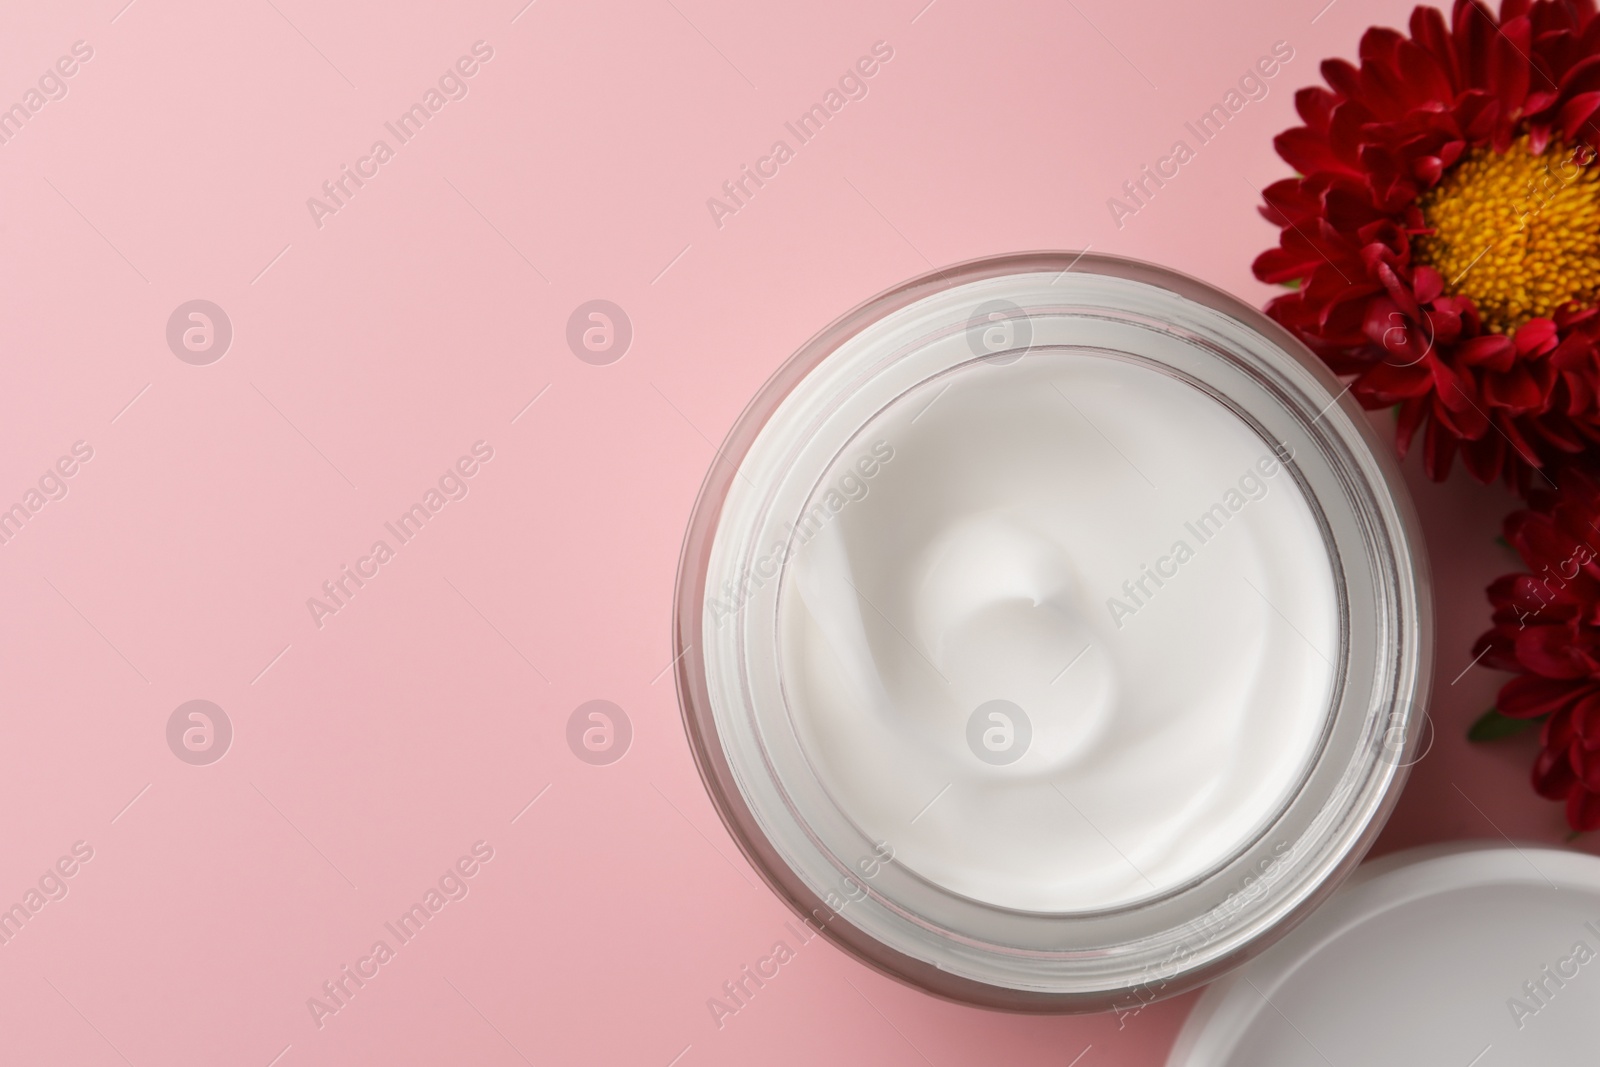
point(1444, 233)
point(1547, 628)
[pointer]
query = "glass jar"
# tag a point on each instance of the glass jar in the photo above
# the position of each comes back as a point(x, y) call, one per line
point(1223, 757)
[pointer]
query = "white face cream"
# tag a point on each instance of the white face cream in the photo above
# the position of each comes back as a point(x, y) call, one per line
point(1062, 631)
point(1048, 633)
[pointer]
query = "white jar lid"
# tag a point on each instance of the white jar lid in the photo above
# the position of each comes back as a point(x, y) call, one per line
point(1478, 956)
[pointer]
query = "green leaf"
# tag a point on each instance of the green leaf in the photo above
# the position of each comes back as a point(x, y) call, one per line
point(1492, 726)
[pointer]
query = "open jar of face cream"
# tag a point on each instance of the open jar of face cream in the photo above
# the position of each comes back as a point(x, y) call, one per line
point(1050, 630)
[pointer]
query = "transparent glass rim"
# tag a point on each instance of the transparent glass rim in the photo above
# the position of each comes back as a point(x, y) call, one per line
point(977, 954)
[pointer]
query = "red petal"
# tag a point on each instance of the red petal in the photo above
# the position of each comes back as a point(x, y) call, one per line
point(1427, 170)
point(1427, 284)
point(1342, 77)
point(1484, 458)
point(1585, 721)
point(1308, 152)
point(1425, 77)
point(1438, 449)
point(1429, 31)
point(1278, 265)
point(1475, 31)
point(1553, 776)
point(1575, 113)
point(1536, 336)
point(1491, 351)
point(1558, 732)
point(1550, 651)
point(1508, 65)
point(1406, 423)
point(1514, 389)
point(1529, 696)
point(1583, 810)
point(1315, 105)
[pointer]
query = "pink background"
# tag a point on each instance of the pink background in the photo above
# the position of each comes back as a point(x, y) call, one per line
point(370, 353)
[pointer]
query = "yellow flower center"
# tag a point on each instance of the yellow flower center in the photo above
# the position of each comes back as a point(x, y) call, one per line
point(1518, 232)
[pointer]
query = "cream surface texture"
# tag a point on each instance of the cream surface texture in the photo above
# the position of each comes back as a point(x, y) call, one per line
point(1059, 630)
